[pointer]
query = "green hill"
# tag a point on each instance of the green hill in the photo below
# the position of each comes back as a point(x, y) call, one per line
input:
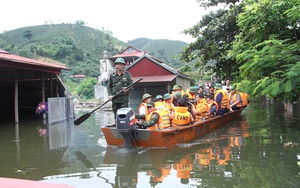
point(80, 47)
point(162, 49)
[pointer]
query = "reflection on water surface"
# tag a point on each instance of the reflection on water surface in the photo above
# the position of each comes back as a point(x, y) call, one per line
point(247, 152)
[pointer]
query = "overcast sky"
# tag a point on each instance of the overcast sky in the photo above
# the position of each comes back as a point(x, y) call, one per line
point(127, 19)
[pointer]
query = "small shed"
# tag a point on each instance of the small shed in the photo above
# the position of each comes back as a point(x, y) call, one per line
point(25, 83)
point(158, 79)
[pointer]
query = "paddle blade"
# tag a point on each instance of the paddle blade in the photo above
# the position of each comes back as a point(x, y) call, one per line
point(82, 119)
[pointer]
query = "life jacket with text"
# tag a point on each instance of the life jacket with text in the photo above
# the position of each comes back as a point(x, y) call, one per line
point(181, 116)
point(225, 98)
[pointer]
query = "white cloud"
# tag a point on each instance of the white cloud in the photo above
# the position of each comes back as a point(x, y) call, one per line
point(127, 19)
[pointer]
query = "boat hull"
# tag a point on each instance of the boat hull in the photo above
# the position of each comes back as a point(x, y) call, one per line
point(170, 136)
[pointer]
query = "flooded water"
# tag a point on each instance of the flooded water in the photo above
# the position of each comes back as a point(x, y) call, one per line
point(254, 151)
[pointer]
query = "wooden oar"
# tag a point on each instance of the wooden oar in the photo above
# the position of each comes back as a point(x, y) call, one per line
point(87, 115)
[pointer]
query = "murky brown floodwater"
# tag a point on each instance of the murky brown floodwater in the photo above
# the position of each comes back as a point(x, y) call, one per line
point(246, 153)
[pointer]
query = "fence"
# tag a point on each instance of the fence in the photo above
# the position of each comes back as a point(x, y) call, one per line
point(60, 109)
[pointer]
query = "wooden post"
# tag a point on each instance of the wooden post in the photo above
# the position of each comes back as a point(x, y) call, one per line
point(16, 98)
point(43, 93)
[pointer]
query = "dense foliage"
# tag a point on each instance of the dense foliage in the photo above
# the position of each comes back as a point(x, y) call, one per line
point(255, 43)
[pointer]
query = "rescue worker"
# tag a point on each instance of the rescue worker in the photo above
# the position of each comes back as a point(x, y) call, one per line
point(163, 112)
point(168, 104)
point(244, 98)
point(143, 106)
point(117, 82)
point(176, 96)
point(181, 115)
point(159, 98)
point(201, 108)
point(235, 99)
point(221, 97)
point(153, 120)
point(175, 89)
point(191, 94)
point(213, 106)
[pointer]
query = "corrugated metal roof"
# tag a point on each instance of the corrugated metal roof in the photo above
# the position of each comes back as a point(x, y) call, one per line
point(19, 61)
point(172, 70)
point(156, 78)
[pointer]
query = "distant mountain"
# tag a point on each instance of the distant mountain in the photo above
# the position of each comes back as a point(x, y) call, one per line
point(162, 49)
point(80, 47)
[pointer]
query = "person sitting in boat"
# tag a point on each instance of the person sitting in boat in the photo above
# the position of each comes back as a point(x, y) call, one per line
point(176, 89)
point(245, 98)
point(191, 94)
point(168, 103)
point(213, 106)
point(159, 98)
point(143, 106)
point(181, 115)
point(175, 97)
point(235, 99)
point(221, 97)
point(163, 111)
point(201, 109)
point(154, 120)
point(211, 90)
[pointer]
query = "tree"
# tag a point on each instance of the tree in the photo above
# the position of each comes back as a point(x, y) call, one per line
point(268, 48)
point(215, 34)
point(27, 34)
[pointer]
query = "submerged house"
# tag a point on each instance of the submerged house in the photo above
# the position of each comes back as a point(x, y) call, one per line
point(25, 83)
point(158, 77)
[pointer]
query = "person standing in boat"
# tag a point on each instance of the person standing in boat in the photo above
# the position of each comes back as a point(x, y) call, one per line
point(117, 82)
point(221, 97)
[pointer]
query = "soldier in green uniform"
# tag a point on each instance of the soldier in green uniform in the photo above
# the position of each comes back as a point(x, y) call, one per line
point(153, 119)
point(118, 81)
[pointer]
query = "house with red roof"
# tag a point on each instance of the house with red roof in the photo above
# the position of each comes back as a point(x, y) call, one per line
point(158, 77)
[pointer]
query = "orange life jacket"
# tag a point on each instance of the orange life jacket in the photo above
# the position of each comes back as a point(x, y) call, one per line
point(213, 103)
point(158, 125)
point(233, 99)
point(181, 116)
point(143, 104)
point(245, 99)
point(202, 108)
point(164, 114)
point(225, 98)
point(190, 95)
point(169, 106)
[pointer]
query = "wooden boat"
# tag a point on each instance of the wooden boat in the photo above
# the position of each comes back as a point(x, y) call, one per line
point(115, 135)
